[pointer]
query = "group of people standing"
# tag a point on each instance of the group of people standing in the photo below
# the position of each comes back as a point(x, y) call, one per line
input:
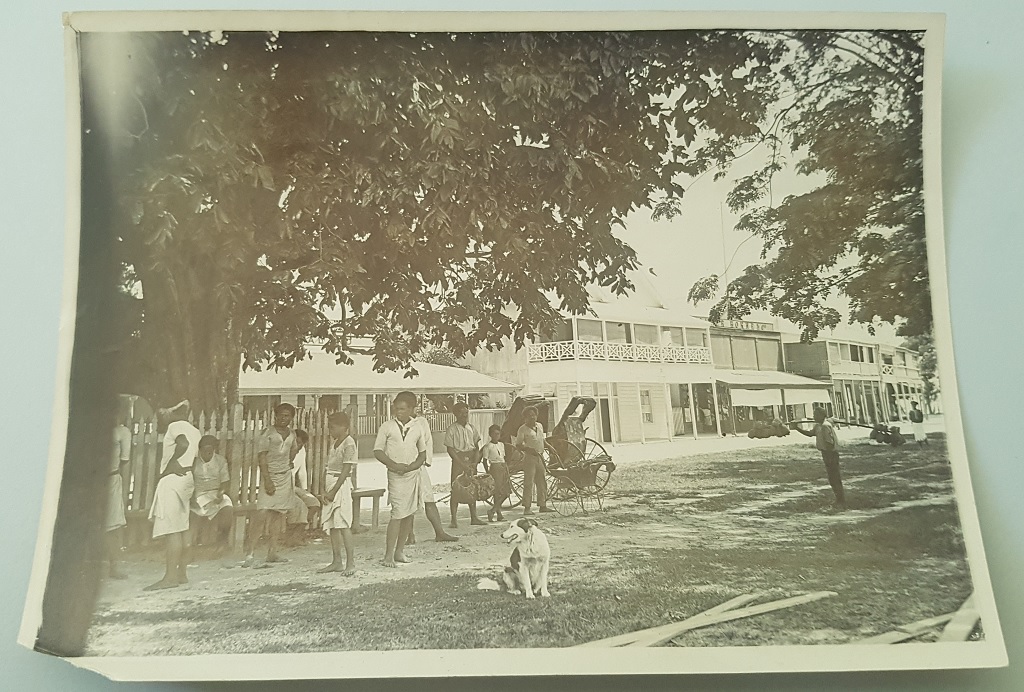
point(194, 480)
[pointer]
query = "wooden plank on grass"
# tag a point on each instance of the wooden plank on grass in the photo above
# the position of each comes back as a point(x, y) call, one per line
point(655, 636)
point(629, 637)
point(905, 632)
point(705, 620)
point(962, 624)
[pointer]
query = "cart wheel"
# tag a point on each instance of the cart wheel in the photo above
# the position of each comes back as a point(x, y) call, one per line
point(590, 502)
point(596, 454)
point(563, 496)
point(515, 496)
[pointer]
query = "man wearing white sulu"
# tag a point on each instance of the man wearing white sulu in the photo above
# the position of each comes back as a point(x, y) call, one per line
point(170, 511)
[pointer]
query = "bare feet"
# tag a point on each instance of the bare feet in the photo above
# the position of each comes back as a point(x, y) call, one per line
point(446, 538)
point(162, 584)
point(478, 523)
point(453, 525)
point(333, 567)
point(388, 563)
point(349, 571)
point(402, 559)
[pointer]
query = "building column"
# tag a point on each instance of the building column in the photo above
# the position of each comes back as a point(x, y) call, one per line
point(714, 400)
point(670, 425)
point(640, 412)
point(693, 410)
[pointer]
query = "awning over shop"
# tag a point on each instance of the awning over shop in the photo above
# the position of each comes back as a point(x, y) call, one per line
point(765, 388)
point(807, 396)
point(755, 397)
point(766, 379)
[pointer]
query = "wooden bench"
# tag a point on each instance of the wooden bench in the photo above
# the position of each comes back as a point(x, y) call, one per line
point(358, 493)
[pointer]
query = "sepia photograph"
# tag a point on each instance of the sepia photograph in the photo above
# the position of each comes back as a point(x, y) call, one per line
point(569, 334)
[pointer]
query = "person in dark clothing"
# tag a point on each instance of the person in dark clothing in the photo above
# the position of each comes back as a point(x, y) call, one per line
point(826, 441)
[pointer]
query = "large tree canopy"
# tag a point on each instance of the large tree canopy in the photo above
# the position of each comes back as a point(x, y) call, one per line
point(412, 189)
point(850, 119)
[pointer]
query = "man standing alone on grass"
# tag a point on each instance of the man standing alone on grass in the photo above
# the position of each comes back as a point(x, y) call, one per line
point(275, 450)
point(463, 444)
point(828, 444)
point(170, 511)
point(917, 422)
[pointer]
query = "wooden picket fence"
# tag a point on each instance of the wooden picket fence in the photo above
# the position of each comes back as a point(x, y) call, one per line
point(237, 433)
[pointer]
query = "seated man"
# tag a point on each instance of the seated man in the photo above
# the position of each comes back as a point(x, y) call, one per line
point(305, 510)
point(211, 505)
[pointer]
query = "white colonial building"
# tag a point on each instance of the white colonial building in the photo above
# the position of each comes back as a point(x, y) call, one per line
point(648, 366)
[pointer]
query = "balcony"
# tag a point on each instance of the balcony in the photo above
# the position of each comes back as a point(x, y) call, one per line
point(898, 371)
point(627, 353)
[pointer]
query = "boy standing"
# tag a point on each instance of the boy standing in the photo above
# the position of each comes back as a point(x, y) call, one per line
point(827, 443)
point(493, 453)
point(335, 517)
point(401, 447)
point(275, 450)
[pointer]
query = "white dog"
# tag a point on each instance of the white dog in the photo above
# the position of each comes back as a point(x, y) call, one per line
point(528, 569)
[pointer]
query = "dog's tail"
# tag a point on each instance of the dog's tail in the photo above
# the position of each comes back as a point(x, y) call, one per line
point(486, 584)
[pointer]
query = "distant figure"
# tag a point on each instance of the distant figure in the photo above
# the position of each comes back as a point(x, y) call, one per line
point(827, 443)
point(917, 421)
point(115, 499)
point(173, 495)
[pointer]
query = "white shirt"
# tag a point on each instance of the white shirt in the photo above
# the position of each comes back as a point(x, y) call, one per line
point(174, 430)
point(403, 443)
point(300, 469)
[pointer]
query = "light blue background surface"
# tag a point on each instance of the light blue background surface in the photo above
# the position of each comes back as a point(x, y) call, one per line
point(983, 141)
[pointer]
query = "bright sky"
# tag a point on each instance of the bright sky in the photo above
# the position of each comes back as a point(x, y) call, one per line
point(702, 240)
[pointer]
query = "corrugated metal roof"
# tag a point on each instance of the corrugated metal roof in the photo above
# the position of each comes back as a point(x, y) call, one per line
point(322, 374)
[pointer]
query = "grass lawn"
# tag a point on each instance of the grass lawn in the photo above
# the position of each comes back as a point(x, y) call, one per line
point(674, 538)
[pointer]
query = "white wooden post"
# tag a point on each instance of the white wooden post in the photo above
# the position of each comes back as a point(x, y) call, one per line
point(714, 400)
point(693, 410)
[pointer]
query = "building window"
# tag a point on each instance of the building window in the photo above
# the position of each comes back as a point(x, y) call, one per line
point(871, 354)
point(618, 333)
point(769, 354)
point(844, 349)
point(646, 334)
point(300, 401)
point(833, 353)
point(901, 358)
point(672, 336)
point(696, 337)
point(744, 354)
point(328, 403)
point(721, 352)
point(646, 406)
point(589, 330)
point(559, 332)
